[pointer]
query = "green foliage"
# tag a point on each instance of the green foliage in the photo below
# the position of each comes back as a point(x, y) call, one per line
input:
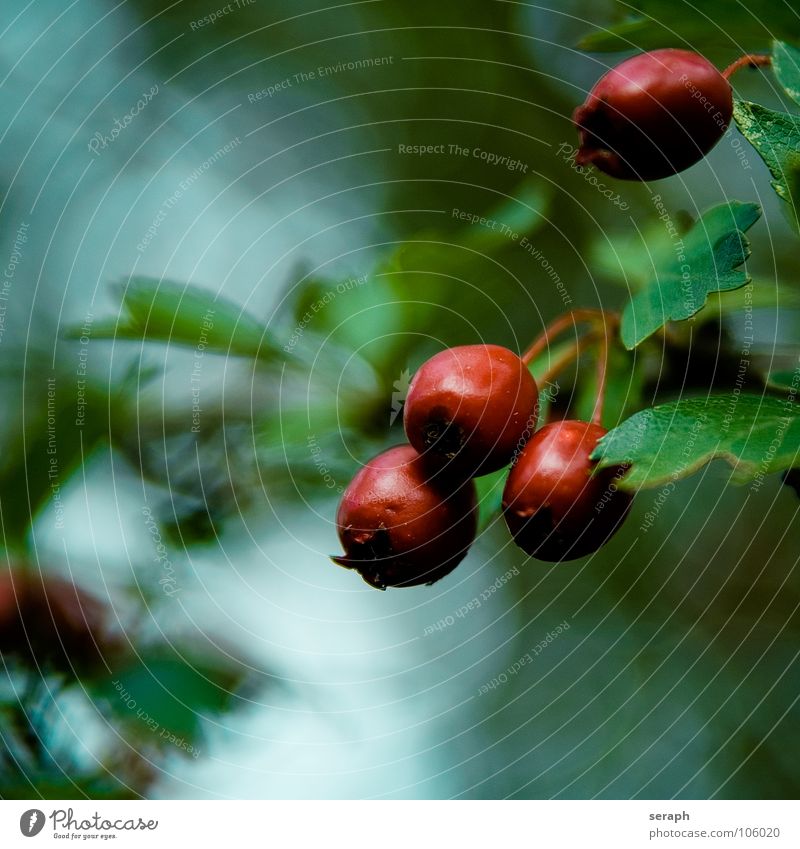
point(522, 215)
point(171, 693)
point(783, 380)
point(52, 443)
point(180, 314)
point(756, 435)
point(758, 294)
point(725, 24)
point(444, 285)
point(418, 289)
point(703, 261)
point(776, 137)
point(490, 496)
point(786, 64)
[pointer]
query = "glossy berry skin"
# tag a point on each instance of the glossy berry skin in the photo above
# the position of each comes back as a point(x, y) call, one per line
point(653, 115)
point(468, 407)
point(555, 508)
point(402, 523)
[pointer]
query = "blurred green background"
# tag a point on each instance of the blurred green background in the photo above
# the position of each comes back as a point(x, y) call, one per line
point(262, 216)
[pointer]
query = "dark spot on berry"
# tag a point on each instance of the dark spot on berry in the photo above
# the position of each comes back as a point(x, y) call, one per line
point(444, 438)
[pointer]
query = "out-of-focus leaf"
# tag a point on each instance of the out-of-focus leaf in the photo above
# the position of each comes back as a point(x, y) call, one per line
point(171, 694)
point(756, 435)
point(786, 64)
point(651, 24)
point(758, 294)
point(512, 219)
point(704, 261)
point(784, 380)
point(417, 290)
point(180, 314)
point(630, 258)
point(59, 436)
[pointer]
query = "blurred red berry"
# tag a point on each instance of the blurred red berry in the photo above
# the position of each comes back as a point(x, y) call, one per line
point(48, 621)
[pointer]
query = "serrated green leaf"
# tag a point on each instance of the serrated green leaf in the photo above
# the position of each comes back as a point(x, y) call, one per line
point(756, 435)
point(786, 65)
point(704, 261)
point(180, 314)
point(776, 138)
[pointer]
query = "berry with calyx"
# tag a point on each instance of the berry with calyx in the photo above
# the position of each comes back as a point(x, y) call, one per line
point(555, 505)
point(468, 407)
point(402, 523)
point(653, 115)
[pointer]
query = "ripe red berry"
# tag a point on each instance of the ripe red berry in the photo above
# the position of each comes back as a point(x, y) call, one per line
point(402, 524)
point(653, 115)
point(467, 407)
point(554, 506)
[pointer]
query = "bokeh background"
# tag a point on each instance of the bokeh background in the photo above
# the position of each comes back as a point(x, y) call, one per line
point(167, 505)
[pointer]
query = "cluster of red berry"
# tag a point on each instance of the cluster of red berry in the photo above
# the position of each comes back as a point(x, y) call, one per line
point(409, 516)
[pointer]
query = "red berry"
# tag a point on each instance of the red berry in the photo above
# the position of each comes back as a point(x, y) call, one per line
point(402, 524)
point(468, 407)
point(653, 115)
point(554, 506)
point(50, 622)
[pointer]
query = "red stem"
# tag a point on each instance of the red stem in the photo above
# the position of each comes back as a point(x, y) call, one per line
point(566, 358)
point(602, 374)
point(558, 325)
point(751, 60)
point(604, 323)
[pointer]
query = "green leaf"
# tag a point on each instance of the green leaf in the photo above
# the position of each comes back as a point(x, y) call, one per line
point(66, 417)
point(702, 262)
point(776, 138)
point(786, 65)
point(490, 497)
point(758, 294)
point(756, 435)
point(629, 258)
point(180, 314)
point(511, 219)
point(784, 380)
point(169, 693)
